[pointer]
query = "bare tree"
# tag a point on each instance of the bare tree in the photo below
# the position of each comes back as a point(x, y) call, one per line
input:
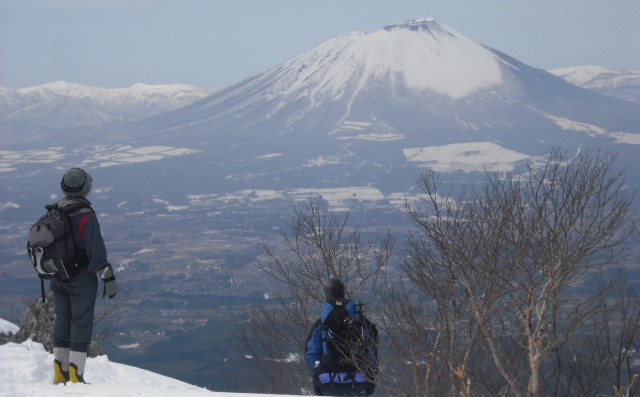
point(600, 358)
point(511, 253)
point(317, 246)
point(108, 314)
point(620, 317)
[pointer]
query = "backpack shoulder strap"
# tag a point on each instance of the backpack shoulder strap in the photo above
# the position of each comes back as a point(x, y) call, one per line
point(76, 210)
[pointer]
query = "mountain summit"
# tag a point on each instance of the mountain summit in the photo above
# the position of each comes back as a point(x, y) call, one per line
point(419, 55)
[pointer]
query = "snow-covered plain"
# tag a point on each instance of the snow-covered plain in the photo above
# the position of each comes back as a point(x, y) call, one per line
point(98, 156)
point(593, 130)
point(465, 157)
point(474, 156)
point(26, 370)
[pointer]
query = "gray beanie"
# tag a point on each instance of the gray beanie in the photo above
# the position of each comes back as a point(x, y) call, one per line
point(76, 183)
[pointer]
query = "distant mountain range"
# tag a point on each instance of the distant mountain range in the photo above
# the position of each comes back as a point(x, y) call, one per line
point(59, 106)
point(616, 83)
point(63, 105)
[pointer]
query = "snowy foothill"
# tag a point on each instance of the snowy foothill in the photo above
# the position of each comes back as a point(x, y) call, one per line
point(26, 370)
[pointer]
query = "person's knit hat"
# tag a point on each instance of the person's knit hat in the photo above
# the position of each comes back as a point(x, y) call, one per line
point(334, 290)
point(76, 183)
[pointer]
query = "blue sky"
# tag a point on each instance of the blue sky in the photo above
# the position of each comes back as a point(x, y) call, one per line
point(215, 43)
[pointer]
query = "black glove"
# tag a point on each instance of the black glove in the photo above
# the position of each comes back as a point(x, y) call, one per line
point(110, 288)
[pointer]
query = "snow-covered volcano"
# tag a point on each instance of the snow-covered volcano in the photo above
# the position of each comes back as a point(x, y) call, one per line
point(356, 79)
point(380, 99)
point(420, 79)
point(420, 55)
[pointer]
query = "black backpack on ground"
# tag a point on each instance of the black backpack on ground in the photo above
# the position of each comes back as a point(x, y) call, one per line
point(50, 244)
point(348, 364)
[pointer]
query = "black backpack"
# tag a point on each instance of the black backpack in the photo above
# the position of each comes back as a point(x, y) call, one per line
point(50, 244)
point(349, 344)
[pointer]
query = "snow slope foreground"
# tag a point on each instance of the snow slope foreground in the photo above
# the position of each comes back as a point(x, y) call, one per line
point(6, 327)
point(26, 371)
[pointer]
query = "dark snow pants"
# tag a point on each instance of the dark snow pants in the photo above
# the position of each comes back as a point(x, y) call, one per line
point(74, 300)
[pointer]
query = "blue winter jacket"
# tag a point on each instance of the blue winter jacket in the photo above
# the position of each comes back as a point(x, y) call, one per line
point(314, 345)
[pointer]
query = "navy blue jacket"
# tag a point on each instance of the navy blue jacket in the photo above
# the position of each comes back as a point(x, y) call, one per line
point(86, 234)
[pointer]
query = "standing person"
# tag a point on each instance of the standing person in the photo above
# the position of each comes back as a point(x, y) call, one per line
point(342, 347)
point(74, 299)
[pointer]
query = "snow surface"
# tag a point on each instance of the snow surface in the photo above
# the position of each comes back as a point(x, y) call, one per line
point(592, 131)
point(337, 198)
point(7, 327)
point(26, 370)
point(474, 156)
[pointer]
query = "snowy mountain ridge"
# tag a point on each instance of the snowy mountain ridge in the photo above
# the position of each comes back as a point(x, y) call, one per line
point(616, 83)
point(180, 94)
point(60, 106)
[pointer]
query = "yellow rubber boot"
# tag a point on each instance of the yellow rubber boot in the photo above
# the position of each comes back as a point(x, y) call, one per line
point(77, 361)
point(74, 377)
point(59, 375)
